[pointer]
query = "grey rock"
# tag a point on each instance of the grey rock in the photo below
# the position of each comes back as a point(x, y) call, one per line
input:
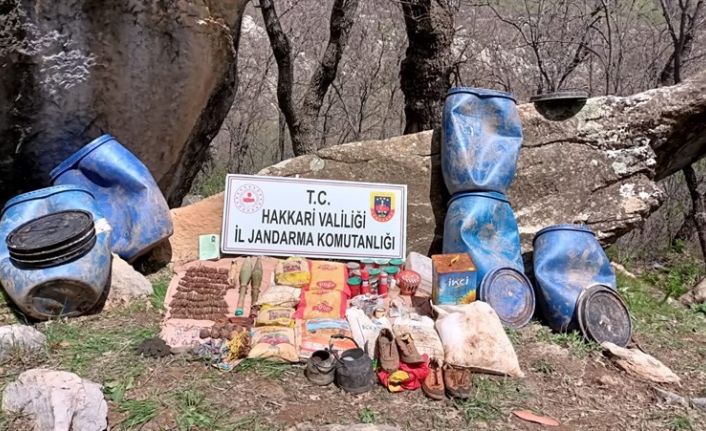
point(698, 403)
point(160, 76)
point(599, 167)
point(57, 401)
point(126, 284)
point(671, 398)
point(695, 295)
point(20, 340)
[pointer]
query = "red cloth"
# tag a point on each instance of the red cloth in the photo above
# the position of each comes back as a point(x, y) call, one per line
point(417, 374)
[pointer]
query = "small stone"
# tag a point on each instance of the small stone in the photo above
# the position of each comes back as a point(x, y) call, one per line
point(20, 339)
point(126, 284)
point(608, 380)
point(640, 364)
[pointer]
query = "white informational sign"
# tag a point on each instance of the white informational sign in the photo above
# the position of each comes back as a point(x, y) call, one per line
point(313, 218)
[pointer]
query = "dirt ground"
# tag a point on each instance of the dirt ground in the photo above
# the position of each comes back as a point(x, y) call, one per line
point(566, 378)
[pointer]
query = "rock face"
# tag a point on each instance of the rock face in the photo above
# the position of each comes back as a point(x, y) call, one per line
point(599, 168)
point(57, 401)
point(158, 76)
point(126, 284)
point(21, 340)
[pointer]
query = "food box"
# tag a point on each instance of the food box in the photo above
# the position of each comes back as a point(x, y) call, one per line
point(453, 279)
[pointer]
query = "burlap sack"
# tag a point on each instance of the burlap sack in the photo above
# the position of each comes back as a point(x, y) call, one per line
point(473, 337)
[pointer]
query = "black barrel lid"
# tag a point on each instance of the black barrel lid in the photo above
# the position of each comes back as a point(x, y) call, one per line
point(561, 95)
point(50, 232)
point(603, 316)
point(510, 293)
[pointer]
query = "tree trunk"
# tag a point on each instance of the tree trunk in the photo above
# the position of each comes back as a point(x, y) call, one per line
point(303, 119)
point(699, 209)
point(428, 62)
point(682, 42)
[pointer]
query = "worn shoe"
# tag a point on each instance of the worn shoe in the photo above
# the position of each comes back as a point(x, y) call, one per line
point(458, 382)
point(388, 357)
point(433, 384)
point(320, 368)
point(408, 352)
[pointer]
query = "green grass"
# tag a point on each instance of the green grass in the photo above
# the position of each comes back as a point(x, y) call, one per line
point(367, 415)
point(250, 423)
point(139, 413)
point(159, 291)
point(652, 316)
point(573, 341)
point(263, 367)
point(193, 411)
point(491, 398)
point(81, 346)
point(680, 423)
point(543, 366)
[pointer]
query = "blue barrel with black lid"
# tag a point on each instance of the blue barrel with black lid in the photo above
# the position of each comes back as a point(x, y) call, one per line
point(55, 258)
point(483, 225)
point(481, 141)
point(576, 286)
point(125, 191)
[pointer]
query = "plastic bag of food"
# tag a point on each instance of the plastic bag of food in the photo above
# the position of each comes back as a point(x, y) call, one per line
point(328, 276)
point(293, 272)
point(322, 304)
point(316, 334)
point(275, 316)
point(476, 325)
point(280, 296)
point(274, 342)
point(423, 333)
point(364, 329)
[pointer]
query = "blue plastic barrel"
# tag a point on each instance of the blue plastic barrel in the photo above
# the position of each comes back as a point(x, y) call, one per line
point(576, 286)
point(481, 140)
point(68, 289)
point(483, 225)
point(125, 191)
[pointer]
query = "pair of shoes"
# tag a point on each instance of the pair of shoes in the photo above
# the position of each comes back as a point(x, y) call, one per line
point(391, 350)
point(453, 381)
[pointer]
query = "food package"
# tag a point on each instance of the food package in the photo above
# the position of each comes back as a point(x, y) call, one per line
point(280, 296)
point(364, 329)
point(315, 335)
point(426, 340)
point(329, 276)
point(275, 316)
point(293, 271)
point(477, 325)
point(322, 304)
point(274, 342)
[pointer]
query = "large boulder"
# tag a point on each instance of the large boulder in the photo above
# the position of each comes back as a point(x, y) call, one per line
point(160, 76)
point(599, 168)
point(56, 401)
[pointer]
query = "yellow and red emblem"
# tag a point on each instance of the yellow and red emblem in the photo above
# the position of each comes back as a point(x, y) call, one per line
point(382, 206)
